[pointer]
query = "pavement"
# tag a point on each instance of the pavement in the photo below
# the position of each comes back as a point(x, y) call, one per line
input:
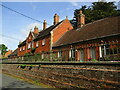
point(11, 82)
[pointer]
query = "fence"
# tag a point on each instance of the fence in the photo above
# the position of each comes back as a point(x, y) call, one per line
point(51, 57)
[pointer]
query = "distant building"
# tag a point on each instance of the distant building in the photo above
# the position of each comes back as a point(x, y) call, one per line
point(8, 53)
point(14, 54)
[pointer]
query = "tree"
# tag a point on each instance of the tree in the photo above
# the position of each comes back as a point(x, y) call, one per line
point(3, 49)
point(97, 10)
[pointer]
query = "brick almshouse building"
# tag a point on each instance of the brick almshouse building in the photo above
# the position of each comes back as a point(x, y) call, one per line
point(95, 40)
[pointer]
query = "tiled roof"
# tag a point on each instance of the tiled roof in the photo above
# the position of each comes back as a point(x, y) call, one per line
point(23, 43)
point(100, 28)
point(35, 34)
point(47, 30)
point(14, 53)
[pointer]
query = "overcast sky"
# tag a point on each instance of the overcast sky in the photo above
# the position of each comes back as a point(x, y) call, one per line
point(18, 26)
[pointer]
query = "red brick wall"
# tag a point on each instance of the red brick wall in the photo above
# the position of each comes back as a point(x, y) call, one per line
point(61, 29)
point(21, 53)
point(86, 46)
point(97, 53)
point(43, 48)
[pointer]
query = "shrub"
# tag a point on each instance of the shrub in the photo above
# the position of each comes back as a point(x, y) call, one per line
point(26, 54)
point(23, 66)
point(33, 50)
point(30, 67)
point(92, 59)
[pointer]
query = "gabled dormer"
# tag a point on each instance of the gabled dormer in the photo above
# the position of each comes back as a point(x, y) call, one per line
point(31, 37)
point(28, 44)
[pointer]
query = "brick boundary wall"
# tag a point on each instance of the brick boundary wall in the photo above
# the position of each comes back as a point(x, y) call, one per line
point(69, 76)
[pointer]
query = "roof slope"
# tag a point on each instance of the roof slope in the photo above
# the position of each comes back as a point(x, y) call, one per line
point(100, 28)
point(23, 43)
point(35, 34)
point(47, 30)
point(14, 53)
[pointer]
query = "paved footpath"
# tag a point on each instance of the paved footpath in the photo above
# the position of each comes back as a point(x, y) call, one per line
point(11, 82)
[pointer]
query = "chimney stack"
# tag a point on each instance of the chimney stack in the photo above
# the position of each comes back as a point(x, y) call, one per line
point(44, 25)
point(56, 19)
point(80, 19)
point(36, 30)
point(66, 17)
point(20, 42)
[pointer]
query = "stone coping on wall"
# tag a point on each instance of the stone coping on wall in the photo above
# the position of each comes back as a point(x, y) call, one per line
point(65, 62)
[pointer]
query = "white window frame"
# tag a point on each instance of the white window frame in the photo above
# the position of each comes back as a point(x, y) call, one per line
point(20, 49)
point(43, 42)
point(23, 48)
point(29, 45)
point(37, 44)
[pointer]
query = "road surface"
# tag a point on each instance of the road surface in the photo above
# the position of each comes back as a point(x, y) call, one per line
point(11, 82)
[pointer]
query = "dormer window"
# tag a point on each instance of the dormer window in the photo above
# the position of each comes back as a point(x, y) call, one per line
point(37, 44)
point(43, 42)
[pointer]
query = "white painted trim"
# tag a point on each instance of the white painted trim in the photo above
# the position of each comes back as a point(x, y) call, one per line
point(58, 54)
point(37, 43)
point(100, 51)
point(70, 53)
point(51, 40)
point(33, 35)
